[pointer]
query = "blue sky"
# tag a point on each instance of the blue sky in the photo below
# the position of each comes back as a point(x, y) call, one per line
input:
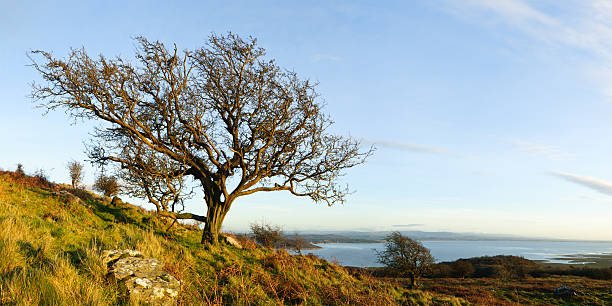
point(489, 116)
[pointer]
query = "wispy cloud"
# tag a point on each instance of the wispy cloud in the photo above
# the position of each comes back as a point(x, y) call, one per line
point(410, 147)
point(325, 57)
point(602, 186)
point(547, 151)
point(584, 25)
point(408, 225)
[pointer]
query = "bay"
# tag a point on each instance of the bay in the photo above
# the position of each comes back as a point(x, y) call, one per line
point(364, 254)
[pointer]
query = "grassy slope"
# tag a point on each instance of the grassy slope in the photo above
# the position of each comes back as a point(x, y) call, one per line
point(50, 246)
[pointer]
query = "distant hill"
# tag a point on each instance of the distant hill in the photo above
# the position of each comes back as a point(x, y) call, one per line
point(378, 236)
point(334, 238)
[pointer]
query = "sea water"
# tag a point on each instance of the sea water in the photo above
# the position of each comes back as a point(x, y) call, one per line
point(364, 254)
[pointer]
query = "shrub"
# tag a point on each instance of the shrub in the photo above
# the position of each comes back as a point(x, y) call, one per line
point(246, 241)
point(267, 235)
point(462, 268)
point(19, 170)
point(108, 185)
point(442, 270)
point(41, 179)
point(501, 266)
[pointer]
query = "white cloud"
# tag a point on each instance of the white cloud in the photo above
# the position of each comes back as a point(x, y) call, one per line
point(410, 147)
point(325, 57)
point(602, 186)
point(547, 151)
point(584, 25)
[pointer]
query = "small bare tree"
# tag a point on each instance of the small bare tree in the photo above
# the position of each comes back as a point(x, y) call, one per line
point(76, 173)
point(300, 243)
point(221, 116)
point(107, 185)
point(405, 257)
point(19, 170)
point(267, 235)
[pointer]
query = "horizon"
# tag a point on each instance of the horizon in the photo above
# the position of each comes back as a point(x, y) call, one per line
point(489, 117)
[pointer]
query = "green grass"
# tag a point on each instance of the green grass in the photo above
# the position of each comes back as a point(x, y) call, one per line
point(50, 248)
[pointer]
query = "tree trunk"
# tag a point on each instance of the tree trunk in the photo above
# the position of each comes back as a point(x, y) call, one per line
point(412, 281)
point(215, 215)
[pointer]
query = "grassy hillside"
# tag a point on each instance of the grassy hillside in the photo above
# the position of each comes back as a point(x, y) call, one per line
point(50, 242)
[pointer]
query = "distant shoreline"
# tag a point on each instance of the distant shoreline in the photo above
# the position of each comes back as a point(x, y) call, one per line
point(518, 240)
point(544, 252)
point(379, 236)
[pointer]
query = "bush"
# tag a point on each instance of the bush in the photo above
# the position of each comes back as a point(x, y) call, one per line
point(442, 270)
point(501, 266)
point(41, 179)
point(108, 185)
point(462, 268)
point(19, 170)
point(269, 236)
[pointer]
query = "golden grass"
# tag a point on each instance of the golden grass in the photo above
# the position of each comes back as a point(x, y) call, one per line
point(50, 254)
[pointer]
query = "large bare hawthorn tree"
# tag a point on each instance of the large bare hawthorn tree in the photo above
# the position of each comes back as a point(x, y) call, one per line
point(222, 116)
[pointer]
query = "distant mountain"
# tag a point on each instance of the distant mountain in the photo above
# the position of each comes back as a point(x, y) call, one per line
point(378, 236)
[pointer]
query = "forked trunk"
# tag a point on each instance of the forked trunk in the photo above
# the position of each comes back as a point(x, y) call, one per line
point(214, 219)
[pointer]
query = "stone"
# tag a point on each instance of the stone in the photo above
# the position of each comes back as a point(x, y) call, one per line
point(231, 241)
point(142, 278)
point(69, 197)
point(110, 256)
point(566, 292)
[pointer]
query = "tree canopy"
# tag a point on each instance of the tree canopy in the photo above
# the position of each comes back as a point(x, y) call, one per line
point(76, 172)
point(404, 256)
point(222, 115)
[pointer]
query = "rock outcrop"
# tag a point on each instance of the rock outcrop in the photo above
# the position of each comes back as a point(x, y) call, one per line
point(69, 197)
point(231, 241)
point(141, 278)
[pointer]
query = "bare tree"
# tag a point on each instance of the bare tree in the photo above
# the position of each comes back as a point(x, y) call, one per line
point(76, 173)
point(19, 170)
point(300, 243)
point(405, 257)
point(222, 117)
point(108, 185)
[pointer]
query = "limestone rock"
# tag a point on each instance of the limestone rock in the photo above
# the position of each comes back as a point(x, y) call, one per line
point(109, 257)
point(142, 278)
point(231, 241)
